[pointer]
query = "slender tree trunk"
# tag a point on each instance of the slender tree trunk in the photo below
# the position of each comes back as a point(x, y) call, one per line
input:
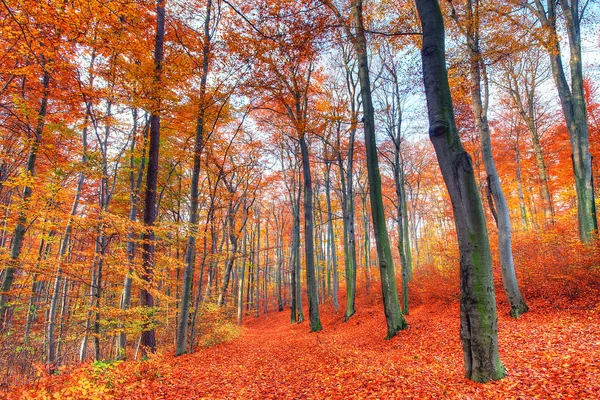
point(479, 326)
point(190, 253)
point(64, 247)
point(346, 181)
point(480, 105)
point(309, 253)
point(367, 241)
point(296, 249)
point(257, 293)
point(528, 115)
point(331, 237)
point(21, 226)
point(520, 184)
point(266, 274)
point(278, 215)
point(572, 100)
point(233, 240)
point(394, 319)
point(135, 184)
point(400, 218)
point(240, 294)
point(148, 341)
point(406, 231)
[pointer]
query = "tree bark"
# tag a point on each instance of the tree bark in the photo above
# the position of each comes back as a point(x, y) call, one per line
point(190, 252)
point(572, 101)
point(309, 253)
point(135, 184)
point(479, 320)
point(331, 237)
point(148, 340)
point(394, 319)
point(479, 105)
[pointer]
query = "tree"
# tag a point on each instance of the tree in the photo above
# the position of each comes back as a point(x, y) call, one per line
point(190, 255)
point(523, 77)
point(572, 98)
point(470, 27)
point(479, 325)
point(148, 341)
point(395, 320)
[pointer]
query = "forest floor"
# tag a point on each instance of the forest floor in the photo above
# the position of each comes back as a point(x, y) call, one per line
point(550, 352)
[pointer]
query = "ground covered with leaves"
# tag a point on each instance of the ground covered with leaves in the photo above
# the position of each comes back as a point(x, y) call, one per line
point(550, 352)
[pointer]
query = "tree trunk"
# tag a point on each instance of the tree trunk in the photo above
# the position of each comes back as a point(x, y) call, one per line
point(479, 320)
point(572, 100)
point(309, 253)
point(527, 112)
point(240, 294)
point(367, 241)
point(477, 73)
point(520, 184)
point(135, 184)
point(257, 292)
point(21, 226)
point(394, 319)
point(148, 341)
point(64, 247)
point(190, 252)
point(331, 237)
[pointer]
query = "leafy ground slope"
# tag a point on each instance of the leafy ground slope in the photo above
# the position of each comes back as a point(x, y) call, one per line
point(549, 353)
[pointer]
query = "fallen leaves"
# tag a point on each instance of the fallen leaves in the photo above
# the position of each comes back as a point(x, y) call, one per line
point(548, 354)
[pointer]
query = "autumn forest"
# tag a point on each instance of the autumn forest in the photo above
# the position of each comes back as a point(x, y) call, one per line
point(286, 199)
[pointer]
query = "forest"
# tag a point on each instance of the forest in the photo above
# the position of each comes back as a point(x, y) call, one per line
point(299, 199)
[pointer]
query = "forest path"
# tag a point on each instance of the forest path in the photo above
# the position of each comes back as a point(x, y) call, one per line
point(548, 353)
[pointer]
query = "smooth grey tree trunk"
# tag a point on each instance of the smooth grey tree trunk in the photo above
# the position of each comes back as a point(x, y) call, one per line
point(309, 253)
point(470, 28)
point(520, 183)
point(135, 185)
point(394, 319)
point(478, 317)
point(522, 88)
point(572, 101)
point(367, 240)
point(190, 252)
point(240, 293)
point(257, 265)
point(331, 238)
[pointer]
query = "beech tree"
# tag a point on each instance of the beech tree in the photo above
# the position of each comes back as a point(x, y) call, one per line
point(469, 25)
point(572, 96)
point(148, 341)
point(479, 320)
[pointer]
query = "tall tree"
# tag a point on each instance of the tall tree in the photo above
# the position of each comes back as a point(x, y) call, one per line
point(479, 320)
point(470, 27)
point(391, 304)
point(523, 77)
point(572, 98)
point(190, 254)
point(21, 225)
point(148, 341)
